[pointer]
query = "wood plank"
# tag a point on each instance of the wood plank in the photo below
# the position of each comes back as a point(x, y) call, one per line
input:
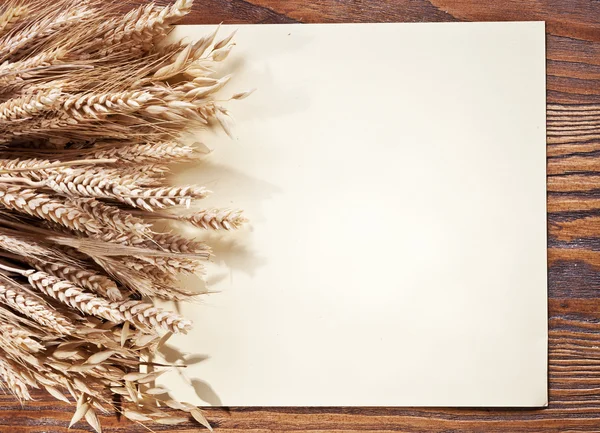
point(573, 51)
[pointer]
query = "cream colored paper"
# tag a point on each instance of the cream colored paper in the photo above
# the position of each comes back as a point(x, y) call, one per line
point(395, 178)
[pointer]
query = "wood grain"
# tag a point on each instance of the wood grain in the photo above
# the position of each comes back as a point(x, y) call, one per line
point(573, 80)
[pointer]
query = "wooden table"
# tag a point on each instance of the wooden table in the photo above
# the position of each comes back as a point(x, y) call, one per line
point(573, 81)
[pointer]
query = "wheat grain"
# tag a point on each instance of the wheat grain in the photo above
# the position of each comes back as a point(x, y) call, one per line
point(94, 182)
point(150, 284)
point(145, 157)
point(170, 265)
point(148, 268)
point(38, 167)
point(97, 105)
point(13, 76)
point(41, 174)
point(156, 121)
point(81, 183)
point(19, 245)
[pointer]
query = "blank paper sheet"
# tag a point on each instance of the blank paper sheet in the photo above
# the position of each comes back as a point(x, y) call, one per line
point(394, 176)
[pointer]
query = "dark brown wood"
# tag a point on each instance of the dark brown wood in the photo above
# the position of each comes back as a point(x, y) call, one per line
point(573, 77)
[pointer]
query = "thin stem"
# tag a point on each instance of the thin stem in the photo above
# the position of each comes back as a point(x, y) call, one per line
point(11, 269)
point(25, 228)
point(22, 180)
point(10, 255)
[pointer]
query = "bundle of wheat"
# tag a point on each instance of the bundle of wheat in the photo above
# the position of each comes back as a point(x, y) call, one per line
point(92, 108)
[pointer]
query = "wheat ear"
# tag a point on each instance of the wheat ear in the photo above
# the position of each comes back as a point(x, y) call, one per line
point(72, 295)
point(12, 15)
point(147, 314)
point(175, 243)
point(13, 44)
point(31, 202)
point(34, 308)
point(114, 217)
point(215, 219)
point(83, 278)
point(19, 338)
point(146, 152)
point(138, 30)
point(29, 105)
point(17, 384)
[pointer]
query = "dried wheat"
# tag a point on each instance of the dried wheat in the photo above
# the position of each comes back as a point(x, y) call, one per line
point(29, 105)
point(216, 219)
point(34, 308)
point(114, 217)
point(19, 245)
point(13, 44)
point(97, 105)
point(137, 31)
point(93, 106)
point(175, 243)
point(83, 278)
point(11, 15)
point(143, 153)
point(72, 295)
point(13, 377)
point(19, 338)
point(31, 202)
point(13, 76)
point(150, 315)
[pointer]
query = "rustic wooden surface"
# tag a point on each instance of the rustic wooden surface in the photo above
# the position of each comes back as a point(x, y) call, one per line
point(573, 80)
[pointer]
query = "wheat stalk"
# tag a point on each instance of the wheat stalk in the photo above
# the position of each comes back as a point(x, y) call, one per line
point(20, 76)
point(160, 198)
